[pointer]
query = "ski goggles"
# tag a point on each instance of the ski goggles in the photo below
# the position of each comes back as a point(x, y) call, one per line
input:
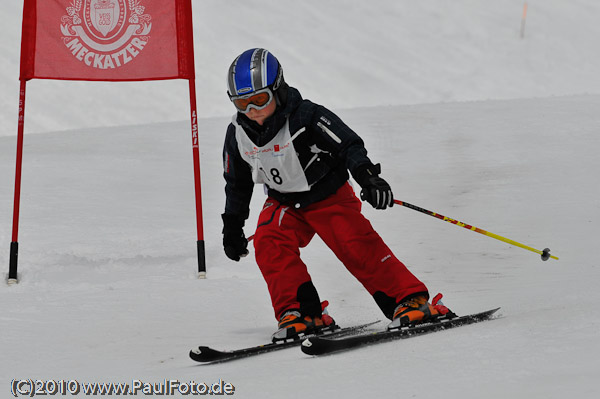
point(257, 100)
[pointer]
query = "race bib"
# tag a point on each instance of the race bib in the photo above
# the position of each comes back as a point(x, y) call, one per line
point(275, 164)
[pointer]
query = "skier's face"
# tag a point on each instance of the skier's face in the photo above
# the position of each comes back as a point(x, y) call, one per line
point(260, 115)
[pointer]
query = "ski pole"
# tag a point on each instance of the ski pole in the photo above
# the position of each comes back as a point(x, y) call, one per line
point(545, 253)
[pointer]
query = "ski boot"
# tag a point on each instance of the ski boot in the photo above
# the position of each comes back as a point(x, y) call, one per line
point(418, 310)
point(293, 325)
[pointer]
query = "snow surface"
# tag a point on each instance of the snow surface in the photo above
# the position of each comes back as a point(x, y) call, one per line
point(467, 119)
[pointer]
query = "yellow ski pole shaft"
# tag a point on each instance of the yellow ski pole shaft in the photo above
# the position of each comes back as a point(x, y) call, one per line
point(544, 253)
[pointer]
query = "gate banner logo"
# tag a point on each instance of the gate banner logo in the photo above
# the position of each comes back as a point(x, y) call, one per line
point(105, 33)
point(104, 15)
point(107, 39)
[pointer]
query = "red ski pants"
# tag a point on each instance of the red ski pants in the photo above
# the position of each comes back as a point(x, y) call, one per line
point(283, 230)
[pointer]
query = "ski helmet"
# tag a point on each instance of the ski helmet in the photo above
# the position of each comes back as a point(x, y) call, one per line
point(254, 70)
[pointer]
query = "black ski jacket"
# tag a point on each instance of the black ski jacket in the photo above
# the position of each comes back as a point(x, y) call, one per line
point(340, 150)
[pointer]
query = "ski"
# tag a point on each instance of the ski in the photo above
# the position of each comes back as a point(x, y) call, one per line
point(323, 345)
point(205, 354)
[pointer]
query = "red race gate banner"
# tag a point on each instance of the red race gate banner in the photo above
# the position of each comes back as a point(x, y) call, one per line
point(107, 40)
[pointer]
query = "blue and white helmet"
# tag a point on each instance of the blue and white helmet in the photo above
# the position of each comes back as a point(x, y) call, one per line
point(254, 70)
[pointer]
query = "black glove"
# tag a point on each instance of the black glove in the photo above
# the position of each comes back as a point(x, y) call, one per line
point(375, 190)
point(234, 241)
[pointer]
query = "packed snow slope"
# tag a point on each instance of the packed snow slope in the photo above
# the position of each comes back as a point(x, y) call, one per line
point(109, 293)
point(467, 119)
point(353, 55)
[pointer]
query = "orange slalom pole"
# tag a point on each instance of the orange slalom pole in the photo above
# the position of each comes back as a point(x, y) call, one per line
point(523, 20)
point(545, 253)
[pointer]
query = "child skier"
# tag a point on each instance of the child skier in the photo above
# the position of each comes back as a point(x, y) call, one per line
point(302, 153)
